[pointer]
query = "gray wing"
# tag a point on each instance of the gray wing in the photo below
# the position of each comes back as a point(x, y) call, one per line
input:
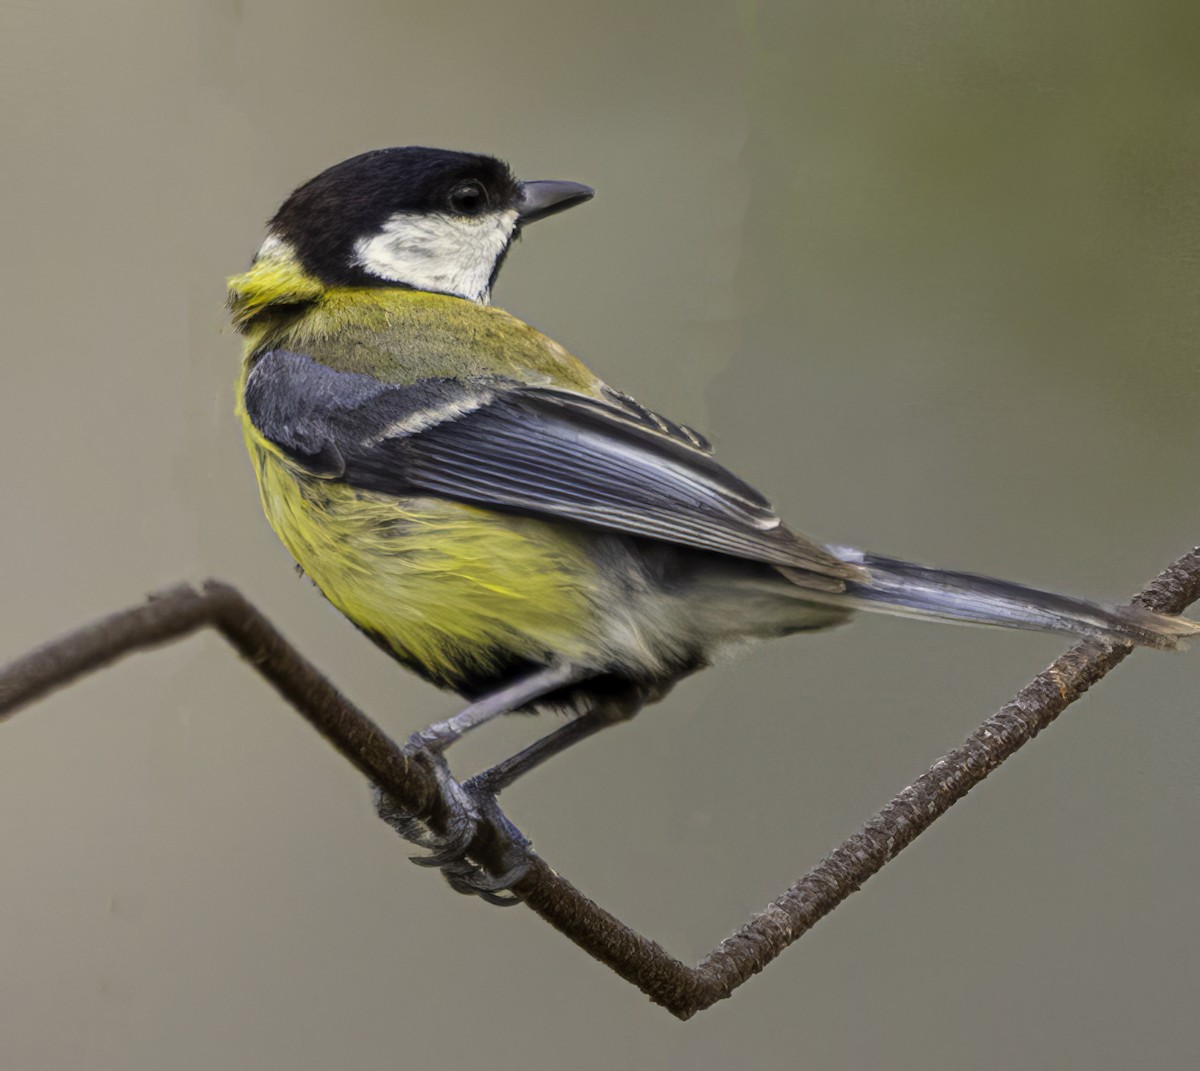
point(609, 462)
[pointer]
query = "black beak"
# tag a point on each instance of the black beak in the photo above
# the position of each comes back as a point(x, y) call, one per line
point(544, 198)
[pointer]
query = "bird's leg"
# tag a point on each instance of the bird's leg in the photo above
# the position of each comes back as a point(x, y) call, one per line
point(441, 734)
point(477, 797)
point(461, 811)
point(481, 792)
point(459, 815)
point(495, 779)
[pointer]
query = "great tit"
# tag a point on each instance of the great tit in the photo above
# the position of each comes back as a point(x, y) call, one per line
point(491, 512)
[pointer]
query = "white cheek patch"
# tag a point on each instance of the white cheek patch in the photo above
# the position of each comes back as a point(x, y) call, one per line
point(274, 248)
point(453, 254)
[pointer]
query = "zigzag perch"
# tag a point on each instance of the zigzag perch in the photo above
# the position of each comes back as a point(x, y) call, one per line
point(681, 989)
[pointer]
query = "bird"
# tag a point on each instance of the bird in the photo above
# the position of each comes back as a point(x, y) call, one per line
point(491, 512)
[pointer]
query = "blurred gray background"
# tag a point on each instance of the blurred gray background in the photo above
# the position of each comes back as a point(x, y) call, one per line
point(926, 271)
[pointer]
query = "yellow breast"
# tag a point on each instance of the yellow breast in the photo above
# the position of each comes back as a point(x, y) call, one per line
point(449, 587)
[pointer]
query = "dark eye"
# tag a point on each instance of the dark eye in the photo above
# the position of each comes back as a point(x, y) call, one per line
point(468, 199)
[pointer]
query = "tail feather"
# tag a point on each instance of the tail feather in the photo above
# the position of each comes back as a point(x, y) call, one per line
point(911, 590)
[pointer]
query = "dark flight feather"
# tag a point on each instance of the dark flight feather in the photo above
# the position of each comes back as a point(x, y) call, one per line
point(610, 463)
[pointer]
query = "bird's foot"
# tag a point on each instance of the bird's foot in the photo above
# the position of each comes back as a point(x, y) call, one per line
point(458, 816)
point(452, 819)
point(512, 849)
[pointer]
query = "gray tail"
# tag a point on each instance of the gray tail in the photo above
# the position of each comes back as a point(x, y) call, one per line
point(898, 587)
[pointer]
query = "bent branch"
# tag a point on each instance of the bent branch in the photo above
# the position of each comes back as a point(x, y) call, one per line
point(681, 989)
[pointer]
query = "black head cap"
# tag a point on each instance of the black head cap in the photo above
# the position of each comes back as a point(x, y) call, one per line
point(324, 218)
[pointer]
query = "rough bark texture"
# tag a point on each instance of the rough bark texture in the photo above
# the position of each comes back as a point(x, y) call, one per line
point(681, 989)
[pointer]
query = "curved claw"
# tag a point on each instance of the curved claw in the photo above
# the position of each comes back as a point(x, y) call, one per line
point(461, 817)
point(464, 807)
point(472, 880)
point(444, 850)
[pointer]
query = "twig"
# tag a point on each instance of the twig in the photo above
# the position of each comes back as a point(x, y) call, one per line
point(178, 612)
point(682, 990)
